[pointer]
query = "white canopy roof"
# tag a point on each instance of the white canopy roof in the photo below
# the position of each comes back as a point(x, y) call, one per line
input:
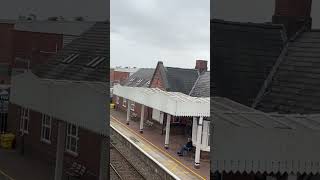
point(247, 140)
point(174, 103)
point(81, 103)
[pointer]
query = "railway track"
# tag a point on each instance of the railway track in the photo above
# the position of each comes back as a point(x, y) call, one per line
point(121, 168)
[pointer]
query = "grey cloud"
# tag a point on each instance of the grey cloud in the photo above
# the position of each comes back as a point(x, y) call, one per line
point(173, 27)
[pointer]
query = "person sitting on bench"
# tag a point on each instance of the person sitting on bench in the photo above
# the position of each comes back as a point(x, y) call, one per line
point(185, 147)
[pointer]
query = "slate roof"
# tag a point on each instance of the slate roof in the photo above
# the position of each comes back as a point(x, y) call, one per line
point(94, 44)
point(180, 80)
point(243, 55)
point(236, 114)
point(141, 78)
point(201, 87)
point(74, 28)
point(296, 84)
point(7, 21)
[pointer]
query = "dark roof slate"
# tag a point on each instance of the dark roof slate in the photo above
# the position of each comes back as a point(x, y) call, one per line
point(141, 78)
point(75, 28)
point(92, 43)
point(180, 80)
point(202, 86)
point(243, 55)
point(296, 84)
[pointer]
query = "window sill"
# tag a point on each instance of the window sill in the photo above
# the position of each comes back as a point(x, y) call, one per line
point(45, 141)
point(24, 132)
point(74, 154)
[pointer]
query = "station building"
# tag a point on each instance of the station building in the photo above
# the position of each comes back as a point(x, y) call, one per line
point(139, 98)
point(28, 43)
point(58, 109)
point(265, 96)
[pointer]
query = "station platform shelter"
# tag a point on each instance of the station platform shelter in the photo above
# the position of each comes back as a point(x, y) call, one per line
point(166, 135)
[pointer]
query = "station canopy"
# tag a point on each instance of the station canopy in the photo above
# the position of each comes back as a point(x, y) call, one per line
point(77, 102)
point(247, 140)
point(174, 103)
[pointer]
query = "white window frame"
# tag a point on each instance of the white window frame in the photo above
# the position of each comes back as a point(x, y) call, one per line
point(124, 102)
point(117, 99)
point(69, 137)
point(46, 127)
point(133, 105)
point(24, 120)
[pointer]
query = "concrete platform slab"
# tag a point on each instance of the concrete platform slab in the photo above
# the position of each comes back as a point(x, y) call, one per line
point(153, 145)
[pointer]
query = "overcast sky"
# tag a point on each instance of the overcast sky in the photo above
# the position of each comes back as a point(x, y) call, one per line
point(143, 32)
point(253, 10)
point(95, 10)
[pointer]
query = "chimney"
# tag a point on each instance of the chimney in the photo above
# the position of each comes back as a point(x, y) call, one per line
point(201, 65)
point(293, 14)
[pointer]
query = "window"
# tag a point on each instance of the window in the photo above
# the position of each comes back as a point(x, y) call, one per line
point(72, 139)
point(132, 79)
point(117, 99)
point(24, 120)
point(148, 83)
point(46, 128)
point(70, 58)
point(94, 62)
point(124, 102)
point(133, 104)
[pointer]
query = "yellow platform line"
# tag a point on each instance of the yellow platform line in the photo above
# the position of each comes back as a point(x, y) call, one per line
point(167, 154)
point(7, 176)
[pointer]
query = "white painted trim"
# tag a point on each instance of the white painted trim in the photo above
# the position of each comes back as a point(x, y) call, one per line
point(60, 99)
point(174, 103)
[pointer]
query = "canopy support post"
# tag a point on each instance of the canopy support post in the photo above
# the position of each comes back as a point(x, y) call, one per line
point(104, 152)
point(142, 118)
point(166, 143)
point(60, 150)
point(198, 144)
point(128, 112)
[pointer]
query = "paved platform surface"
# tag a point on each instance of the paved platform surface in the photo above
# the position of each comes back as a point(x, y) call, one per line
point(18, 167)
point(151, 143)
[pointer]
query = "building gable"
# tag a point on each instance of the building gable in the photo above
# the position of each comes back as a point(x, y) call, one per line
point(158, 79)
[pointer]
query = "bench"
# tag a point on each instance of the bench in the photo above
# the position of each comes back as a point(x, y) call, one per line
point(134, 117)
point(76, 170)
point(148, 123)
point(191, 149)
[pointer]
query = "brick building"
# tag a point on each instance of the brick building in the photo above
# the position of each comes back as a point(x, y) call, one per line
point(42, 124)
point(6, 49)
point(278, 76)
point(25, 44)
point(185, 83)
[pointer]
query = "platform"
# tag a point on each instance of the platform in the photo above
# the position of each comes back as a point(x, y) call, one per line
point(17, 167)
point(153, 144)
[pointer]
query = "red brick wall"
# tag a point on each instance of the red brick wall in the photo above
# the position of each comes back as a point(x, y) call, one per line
point(137, 109)
point(6, 42)
point(89, 143)
point(296, 8)
point(118, 76)
point(29, 44)
point(6, 37)
point(157, 81)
